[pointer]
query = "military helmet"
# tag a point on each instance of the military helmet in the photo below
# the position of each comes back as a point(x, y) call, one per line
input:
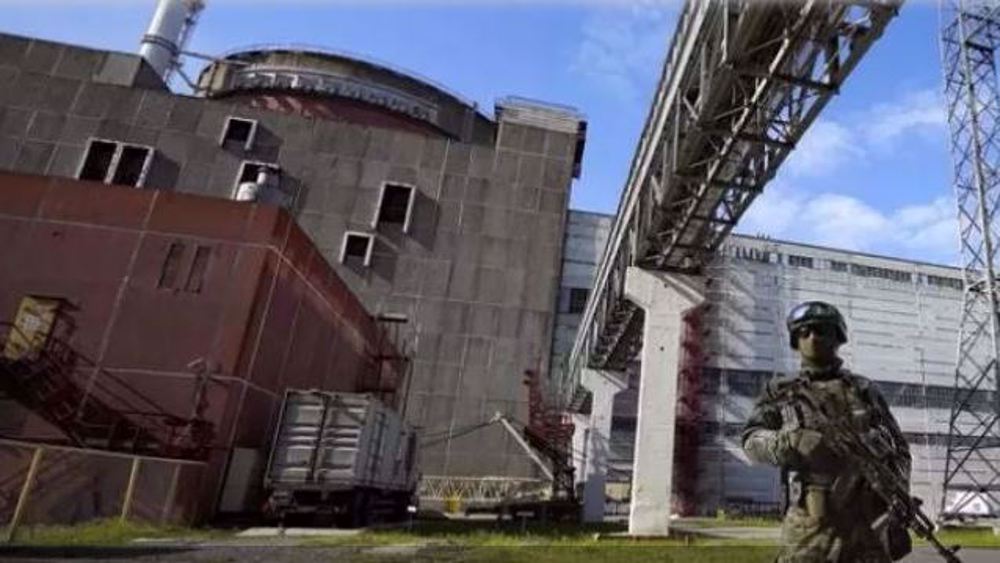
point(811, 313)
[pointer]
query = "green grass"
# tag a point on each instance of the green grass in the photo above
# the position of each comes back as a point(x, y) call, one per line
point(108, 532)
point(729, 522)
point(512, 535)
point(488, 541)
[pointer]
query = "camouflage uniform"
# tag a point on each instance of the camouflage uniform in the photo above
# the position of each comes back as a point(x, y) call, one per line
point(829, 505)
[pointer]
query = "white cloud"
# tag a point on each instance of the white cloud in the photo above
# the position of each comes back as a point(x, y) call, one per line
point(919, 112)
point(843, 221)
point(826, 146)
point(622, 50)
point(919, 230)
point(924, 231)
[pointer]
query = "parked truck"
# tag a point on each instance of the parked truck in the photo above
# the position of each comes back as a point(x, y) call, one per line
point(340, 456)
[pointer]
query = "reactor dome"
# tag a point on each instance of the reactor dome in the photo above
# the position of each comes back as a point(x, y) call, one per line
point(325, 84)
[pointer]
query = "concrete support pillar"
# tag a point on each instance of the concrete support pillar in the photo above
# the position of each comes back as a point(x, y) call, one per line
point(581, 427)
point(664, 297)
point(603, 386)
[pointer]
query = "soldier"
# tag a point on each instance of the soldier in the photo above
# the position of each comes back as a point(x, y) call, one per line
point(829, 506)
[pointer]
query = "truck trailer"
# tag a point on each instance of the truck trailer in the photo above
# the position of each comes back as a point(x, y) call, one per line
point(344, 457)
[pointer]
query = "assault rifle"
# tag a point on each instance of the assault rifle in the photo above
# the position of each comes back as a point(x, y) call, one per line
point(868, 453)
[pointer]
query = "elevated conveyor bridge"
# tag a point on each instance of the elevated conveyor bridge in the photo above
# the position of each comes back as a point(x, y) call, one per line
point(742, 82)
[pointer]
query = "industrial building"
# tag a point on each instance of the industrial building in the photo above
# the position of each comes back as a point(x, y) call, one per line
point(166, 326)
point(205, 252)
point(431, 212)
point(902, 319)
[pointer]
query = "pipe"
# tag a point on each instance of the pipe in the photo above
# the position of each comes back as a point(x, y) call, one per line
point(168, 31)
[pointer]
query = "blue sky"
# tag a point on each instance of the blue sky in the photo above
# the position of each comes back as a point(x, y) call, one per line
point(873, 174)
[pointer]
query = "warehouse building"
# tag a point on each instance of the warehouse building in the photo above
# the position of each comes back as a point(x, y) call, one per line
point(902, 317)
point(424, 206)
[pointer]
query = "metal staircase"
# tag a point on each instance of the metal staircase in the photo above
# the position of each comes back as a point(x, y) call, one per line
point(548, 432)
point(105, 413)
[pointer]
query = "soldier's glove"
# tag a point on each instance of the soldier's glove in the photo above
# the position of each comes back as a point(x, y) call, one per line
point(805, 448)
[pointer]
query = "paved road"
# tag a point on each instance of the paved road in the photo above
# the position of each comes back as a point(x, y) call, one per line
point(928, 555)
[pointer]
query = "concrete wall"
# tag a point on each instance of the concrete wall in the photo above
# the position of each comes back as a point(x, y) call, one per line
point(477, 274)
point(585, 237)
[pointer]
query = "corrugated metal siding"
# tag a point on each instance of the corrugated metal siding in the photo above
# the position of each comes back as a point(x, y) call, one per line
point(339, 441)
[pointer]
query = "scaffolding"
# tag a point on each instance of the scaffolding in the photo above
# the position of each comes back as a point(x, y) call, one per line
point(550, 431)
point(689, 414)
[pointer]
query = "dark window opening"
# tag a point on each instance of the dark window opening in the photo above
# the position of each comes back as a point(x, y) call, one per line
point(98, 160)
point(395, 205)
point(250, 171)
point(800, 261)
point(196, 277)
point(838, 266)
point(171, 266)
point(240, 131)
point(357, 247)
point(131, 166)
point(577, 299)
point(116, 163)
point(942, 281)
point(884, 273)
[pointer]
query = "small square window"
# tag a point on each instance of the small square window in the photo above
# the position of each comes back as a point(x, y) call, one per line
point(395, 206)
point(133, 162)
point(357, 249)
point(97, 162)
point(113, 162)
point(577, 299)
point(240, 131)
point(250, 171)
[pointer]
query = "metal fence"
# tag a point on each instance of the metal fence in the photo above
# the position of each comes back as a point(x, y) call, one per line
point(55, 484)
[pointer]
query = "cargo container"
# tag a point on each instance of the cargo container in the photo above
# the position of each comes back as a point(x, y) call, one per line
point(344, 456)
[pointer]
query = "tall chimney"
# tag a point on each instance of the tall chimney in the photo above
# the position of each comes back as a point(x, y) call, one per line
point(168, 32)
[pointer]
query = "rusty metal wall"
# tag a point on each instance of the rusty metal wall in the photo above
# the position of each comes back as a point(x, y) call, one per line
point(263, 309)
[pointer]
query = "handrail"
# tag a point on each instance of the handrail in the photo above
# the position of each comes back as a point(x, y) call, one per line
point(164, 429)
point(106, 453)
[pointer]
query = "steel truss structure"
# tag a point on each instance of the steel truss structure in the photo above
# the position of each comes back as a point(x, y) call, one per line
point(970, 38)
point(477, 490)
point(742, 82)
